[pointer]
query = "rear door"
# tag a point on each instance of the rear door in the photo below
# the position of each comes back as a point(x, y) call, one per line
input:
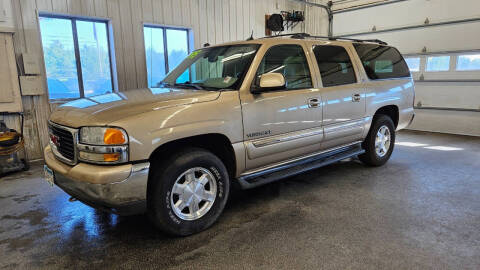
point(286, 123)
point(343, 94)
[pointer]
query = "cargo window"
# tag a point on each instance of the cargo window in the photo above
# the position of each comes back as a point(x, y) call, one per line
point(382, 62)
point(335, 65)
point(290, 61)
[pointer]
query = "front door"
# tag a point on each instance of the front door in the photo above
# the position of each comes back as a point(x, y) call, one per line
point(284, 123)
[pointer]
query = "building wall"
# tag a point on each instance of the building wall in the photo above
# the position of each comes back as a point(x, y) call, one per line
point(212, 21)
point(456, 94)
point(316, 19)
point(6, 16)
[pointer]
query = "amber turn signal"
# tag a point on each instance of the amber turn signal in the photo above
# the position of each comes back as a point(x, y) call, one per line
point(114, 136)
point(111, 157)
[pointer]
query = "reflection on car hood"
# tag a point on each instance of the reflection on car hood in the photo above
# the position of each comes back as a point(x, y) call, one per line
point(104, 109)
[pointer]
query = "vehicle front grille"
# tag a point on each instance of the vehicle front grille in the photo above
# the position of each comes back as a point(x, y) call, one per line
point(64, 142)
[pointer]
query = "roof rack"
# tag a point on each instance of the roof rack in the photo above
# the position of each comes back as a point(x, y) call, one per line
point(306, 35)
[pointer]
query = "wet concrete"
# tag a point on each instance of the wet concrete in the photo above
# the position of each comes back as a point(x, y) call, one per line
point(421, 210)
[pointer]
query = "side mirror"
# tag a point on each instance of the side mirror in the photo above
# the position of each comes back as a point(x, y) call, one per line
point(270, 82)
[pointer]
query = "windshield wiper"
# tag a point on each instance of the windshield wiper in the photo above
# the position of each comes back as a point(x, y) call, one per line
point(189, 85)
point(164, 84)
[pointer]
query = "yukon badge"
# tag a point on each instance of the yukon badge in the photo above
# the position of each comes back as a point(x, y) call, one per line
point(259, 133)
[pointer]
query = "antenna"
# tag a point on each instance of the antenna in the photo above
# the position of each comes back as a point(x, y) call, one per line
point(251, 37)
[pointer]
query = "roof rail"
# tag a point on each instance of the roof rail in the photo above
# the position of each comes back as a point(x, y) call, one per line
point(284, 35)
point(306, 35)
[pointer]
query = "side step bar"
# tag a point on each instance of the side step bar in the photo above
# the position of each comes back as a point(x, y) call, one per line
point(298, 167)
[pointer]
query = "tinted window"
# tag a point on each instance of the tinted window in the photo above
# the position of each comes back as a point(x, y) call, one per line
point(335, 65)
point(290, 61)
point(382, 62)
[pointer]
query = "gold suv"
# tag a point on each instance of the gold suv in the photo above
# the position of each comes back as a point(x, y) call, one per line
point(242, 113)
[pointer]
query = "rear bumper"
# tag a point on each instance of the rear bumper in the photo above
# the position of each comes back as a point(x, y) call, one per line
point(124, 196)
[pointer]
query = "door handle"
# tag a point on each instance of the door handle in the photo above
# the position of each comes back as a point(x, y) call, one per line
point(356, 97)
point(313, 102)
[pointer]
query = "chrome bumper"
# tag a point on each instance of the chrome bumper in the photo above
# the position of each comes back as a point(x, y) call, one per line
point(126, 197)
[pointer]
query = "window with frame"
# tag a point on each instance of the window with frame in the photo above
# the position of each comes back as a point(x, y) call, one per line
point(382, 62)
point(438, 63)
point(77, 57)
point(468, 62)
point(290, 61)
point(413, 63)
point(165, 48)
point(335, 65)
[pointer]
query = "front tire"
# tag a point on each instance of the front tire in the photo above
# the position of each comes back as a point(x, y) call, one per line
point(380, 141)
point(188, 192)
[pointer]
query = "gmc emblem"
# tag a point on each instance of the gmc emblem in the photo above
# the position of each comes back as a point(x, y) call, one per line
point(55, 140)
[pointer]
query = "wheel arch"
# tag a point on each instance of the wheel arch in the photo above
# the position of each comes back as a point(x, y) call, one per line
point(390, 111)
point(219, 144)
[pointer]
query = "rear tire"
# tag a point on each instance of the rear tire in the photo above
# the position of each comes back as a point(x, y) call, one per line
point(380, 141)
point(188, 192)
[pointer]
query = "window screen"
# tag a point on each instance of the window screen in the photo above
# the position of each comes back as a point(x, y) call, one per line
point(290, 61)
point(335, 65)
point(382, 62)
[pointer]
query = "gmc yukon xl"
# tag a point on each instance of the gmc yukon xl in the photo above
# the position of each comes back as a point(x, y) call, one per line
point(237, 114)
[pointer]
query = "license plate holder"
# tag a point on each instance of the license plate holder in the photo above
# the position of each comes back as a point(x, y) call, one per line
point(49, 175)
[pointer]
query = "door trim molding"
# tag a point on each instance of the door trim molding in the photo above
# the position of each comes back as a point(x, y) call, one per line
point(287, 137)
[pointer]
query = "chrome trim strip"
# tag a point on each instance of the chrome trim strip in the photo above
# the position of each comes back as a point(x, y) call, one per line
point(271, 167)
point(56, 153)
point(140, 167)
point(101, 149)
point(286, 138)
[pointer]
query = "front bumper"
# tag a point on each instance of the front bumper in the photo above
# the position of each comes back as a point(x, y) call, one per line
point(118, 189)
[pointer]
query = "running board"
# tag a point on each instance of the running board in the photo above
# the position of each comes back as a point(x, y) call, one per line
point(298, 167)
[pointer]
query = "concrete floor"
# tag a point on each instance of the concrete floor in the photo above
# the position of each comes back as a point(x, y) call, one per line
point(420, 210)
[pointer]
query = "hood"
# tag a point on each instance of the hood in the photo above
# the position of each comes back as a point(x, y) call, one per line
point(105, 109)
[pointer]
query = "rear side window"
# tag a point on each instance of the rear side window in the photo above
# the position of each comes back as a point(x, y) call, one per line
point(290, 61)
point(382, 62)
point(335, 65)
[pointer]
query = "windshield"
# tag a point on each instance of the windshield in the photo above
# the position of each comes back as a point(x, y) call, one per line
point(213, 68)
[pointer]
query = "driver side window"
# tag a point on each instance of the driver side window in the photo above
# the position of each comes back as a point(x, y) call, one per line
point(290, 61)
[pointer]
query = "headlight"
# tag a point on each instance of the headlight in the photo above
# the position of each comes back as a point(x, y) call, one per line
point(103, 145)
point(103, 136)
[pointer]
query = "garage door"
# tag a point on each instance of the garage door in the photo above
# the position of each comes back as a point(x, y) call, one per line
point(441, 42)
